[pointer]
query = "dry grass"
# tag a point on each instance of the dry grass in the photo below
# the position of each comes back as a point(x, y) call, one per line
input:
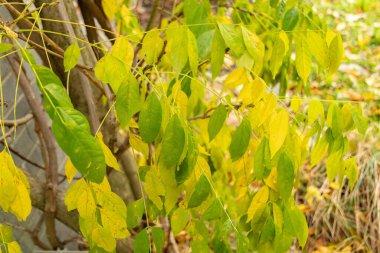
point(341, 220)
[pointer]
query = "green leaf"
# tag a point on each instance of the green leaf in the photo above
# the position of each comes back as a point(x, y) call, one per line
point(135, 211)
point(334, 165)
point(5, 47)
point(201, 191)
point(303, 58)
point(254, 45)
point(216, 121)
point(173, 143)
point(179, 220)
point(278, 131)
point(297, 221)
point(158, 238)
point(192, 51)
point(217, 53)
point(71, 56)
point(128, 101)
point(150, 118)
point(290, 19)
point(335, 54)
point(72, 133)
point(319, 150)
point(46, 76)
point(213, 211)
point(55, 96)
point(351, 171)
point(142, 243)
point(152, 46)
point(360, 122)
point(280, 48)
point(285, 176)
point(232, 37)
point(277, 218)
point(240, 140)
point(335, 120)
point(262, 160)
point(196, 16)
point(184, 171)
point(6, 234)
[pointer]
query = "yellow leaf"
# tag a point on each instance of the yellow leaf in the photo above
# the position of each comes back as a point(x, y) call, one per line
point(235, 78)
point(86, 203)
point(278, 130)
point(110, 158)
point(13, 247)
point(295, 103)
point(8, 189)
point(258, 203)
point(21, 206)
point(70, 171)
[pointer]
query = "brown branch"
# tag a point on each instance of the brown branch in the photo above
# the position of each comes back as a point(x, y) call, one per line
point(51, 163)
point(17, 122)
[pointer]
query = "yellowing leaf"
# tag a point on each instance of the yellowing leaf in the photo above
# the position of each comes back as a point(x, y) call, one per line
point(111, 7)
point(217, 53)
point(319, 150)
point(138, 144)
point(154, 188)
point(123, 50)
point(318, 47)
point(86, 204)
point(303, 58)
point(179, 220)
point(335, 53)
point(109, 157)
point(351, 171)
point(71, 56)
point(258, 203)
point(114, 215)
point(102, 237)
point(152, 46)
point(280, 48)
point(278, 130)
point(70, 170)
point(73, 194)
point(315, 110)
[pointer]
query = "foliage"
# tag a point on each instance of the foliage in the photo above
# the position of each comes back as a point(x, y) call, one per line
point(218, 144)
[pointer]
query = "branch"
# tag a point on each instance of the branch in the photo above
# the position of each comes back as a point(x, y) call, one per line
point(51, 163)
point(17, 122)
